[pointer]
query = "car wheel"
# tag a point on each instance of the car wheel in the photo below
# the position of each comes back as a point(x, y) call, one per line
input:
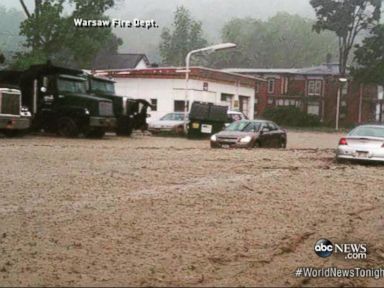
point(283, 143)
point(67, 127)
point(341, 161)
point(179, 130)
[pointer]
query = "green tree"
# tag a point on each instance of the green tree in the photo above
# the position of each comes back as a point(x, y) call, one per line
point(370, 57)
point(50, 34)
point(187, 35)
point(346, 18)
point(283, 41)
point(10, 40)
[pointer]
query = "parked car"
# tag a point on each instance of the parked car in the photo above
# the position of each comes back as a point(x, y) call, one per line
point(250, 134)
point(236, 116)
point(171, 122)
point(365, 142)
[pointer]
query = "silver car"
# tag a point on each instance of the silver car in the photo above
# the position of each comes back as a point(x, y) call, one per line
point(171, 122)
point(365, 142)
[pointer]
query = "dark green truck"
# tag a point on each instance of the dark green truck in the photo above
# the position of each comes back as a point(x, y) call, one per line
point(60, 103)
point(130, 113)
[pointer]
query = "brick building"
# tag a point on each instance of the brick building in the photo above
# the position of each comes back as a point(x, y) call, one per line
point(314, 90)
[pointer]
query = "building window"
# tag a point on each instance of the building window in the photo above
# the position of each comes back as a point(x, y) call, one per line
point(279, 102)
point(313, 108)
point(179, 105)
point(344, 90)
point(287, 102)
point(270, 100)
point(257, 88)
point(271, 86)
point(286, 85)
point(154, 104)
point(228, 99)
point(314, 87)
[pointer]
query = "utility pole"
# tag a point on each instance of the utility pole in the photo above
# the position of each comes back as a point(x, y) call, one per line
point(341, 82)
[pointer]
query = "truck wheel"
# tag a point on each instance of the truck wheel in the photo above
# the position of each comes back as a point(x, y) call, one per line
point(15, 133)
point(128, 131)
point(95, 134)
point(67, 127)
point(124, 132)
point(10, 133)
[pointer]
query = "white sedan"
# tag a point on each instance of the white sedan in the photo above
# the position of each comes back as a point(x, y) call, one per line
point(171, 122)
point(365, 142)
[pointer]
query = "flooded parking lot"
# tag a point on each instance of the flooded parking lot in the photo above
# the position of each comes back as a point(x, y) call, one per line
point(172, 212)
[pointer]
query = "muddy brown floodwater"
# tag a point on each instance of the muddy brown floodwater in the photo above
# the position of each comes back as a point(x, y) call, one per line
point(151, 211)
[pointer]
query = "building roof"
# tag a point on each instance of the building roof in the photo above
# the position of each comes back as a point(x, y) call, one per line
point(118, 61)
point(260, 70)
point(324, 69)
point(197, 73)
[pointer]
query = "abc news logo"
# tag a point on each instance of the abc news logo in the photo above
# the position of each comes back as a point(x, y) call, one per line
point(325, 248)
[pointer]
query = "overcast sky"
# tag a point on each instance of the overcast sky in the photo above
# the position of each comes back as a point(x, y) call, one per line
point(239, 8)
point(212, 13)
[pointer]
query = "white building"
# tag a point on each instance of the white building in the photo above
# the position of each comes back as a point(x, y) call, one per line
point(165, 88)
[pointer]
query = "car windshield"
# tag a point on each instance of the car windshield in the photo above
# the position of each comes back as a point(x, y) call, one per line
point(102, 86)
point(173, 117)
point(243, 126)
point(368, 131)
point(71, 86)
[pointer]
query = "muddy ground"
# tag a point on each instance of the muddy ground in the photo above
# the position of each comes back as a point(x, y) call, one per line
point(151, 211)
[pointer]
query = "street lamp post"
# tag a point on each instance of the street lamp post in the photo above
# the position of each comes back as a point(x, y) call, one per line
point(213, 48)
point(341, 81)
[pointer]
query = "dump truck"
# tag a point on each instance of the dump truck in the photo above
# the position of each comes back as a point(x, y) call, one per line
point(15, 119)
point(59, 102)
point(130, 113)
point(206, 119)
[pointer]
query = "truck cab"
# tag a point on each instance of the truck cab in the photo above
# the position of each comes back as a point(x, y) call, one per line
point(14, 118)
point(130, 113)
point(60, 103)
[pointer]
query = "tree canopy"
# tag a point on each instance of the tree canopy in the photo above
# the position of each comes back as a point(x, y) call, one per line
point(50, 34)
point(10, 40)
point(346, 18)
point(283, 41)
point(186, 35)
point(370, 57)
